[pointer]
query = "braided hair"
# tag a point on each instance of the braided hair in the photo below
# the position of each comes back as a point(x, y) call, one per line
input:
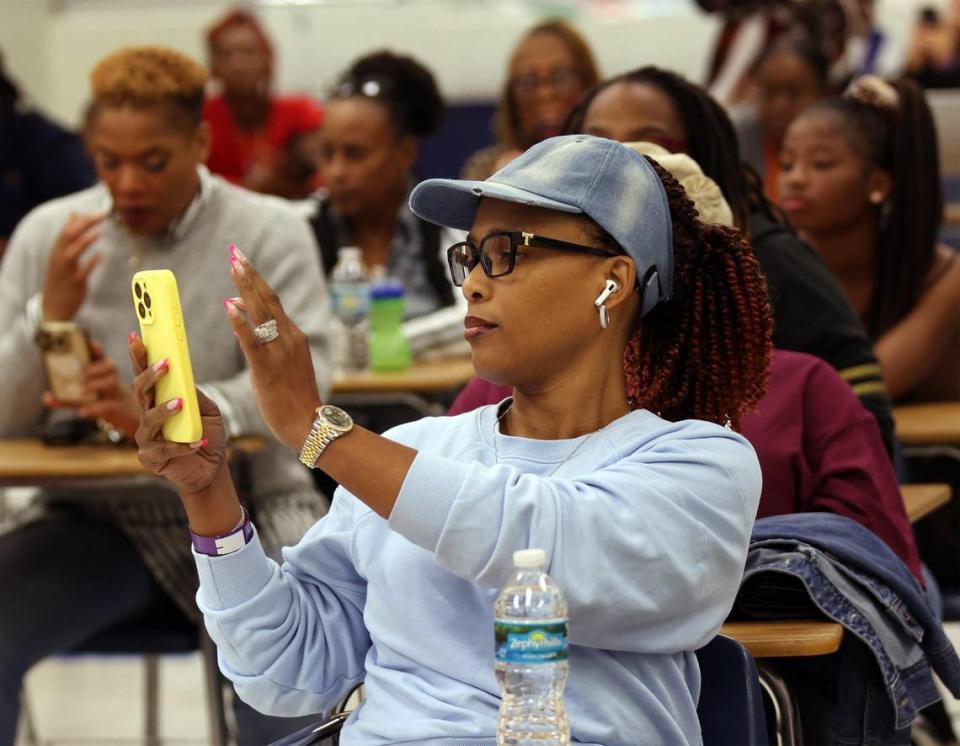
point(901, 139)
point(706, 353)
point(711, 138)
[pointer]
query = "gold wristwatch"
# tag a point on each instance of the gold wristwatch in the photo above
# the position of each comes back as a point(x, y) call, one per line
point(330, 423)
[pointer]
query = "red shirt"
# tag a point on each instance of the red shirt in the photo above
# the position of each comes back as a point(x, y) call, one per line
point(819, 450)
point(233, 151)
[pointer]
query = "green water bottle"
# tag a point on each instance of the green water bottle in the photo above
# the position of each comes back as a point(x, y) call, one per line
point(389, 349)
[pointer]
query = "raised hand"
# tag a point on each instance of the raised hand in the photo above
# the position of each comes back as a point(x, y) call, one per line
point(281, 370)
point(192, 467)
point(65, 284)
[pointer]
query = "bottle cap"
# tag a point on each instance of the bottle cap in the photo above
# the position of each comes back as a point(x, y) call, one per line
point(349, 252)
point(530, 559)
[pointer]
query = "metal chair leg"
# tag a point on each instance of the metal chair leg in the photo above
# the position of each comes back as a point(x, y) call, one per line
point(216, 711)
point(785, 712)
point(151, 697)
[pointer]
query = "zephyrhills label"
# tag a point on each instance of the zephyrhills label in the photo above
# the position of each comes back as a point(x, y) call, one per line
point(542, 641)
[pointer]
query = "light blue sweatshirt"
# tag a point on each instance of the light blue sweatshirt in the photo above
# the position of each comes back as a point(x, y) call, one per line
point(645, 524)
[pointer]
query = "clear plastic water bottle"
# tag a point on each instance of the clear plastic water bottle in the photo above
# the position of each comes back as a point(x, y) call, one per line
point(350, 296)
point(389, 349)
point(530, 627)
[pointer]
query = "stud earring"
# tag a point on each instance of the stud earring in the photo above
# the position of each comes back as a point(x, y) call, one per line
point(877, 197)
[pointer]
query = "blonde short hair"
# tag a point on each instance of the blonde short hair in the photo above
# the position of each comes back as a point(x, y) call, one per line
point(150, 76)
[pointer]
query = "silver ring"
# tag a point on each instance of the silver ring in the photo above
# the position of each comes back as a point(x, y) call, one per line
point(267, 331)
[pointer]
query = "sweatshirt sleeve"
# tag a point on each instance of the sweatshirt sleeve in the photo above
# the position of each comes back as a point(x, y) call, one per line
point(648, 550)
point(21, 280)
point(267, 619)
point(288, 260)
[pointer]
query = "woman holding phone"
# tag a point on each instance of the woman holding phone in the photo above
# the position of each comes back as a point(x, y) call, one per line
point(634, 337)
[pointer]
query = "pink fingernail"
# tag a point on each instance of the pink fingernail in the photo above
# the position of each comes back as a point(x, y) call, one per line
point(239, 254)
point(204, 442)
point(232, 309)
point(174, 404)
point(160, 365)
point(130, 337)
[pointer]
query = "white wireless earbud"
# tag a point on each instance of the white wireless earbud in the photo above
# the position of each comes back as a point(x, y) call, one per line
point(611, 287)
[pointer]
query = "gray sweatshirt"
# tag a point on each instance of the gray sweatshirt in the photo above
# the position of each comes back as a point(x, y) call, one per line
point(279, 244)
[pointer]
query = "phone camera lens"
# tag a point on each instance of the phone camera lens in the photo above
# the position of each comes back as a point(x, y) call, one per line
point(142, 310)
point(138, 290)
point(146, 299)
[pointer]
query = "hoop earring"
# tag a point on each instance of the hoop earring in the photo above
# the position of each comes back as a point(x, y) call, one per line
point(604, 316)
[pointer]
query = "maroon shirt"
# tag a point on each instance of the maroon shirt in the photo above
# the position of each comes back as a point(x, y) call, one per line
point(819, 450)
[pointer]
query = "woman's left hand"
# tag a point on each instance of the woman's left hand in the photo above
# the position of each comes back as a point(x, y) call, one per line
point(284, 381)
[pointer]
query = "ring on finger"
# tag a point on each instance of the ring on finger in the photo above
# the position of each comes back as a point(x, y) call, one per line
point(267, 331)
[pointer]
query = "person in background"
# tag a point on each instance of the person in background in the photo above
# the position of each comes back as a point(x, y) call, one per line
point(376, 116)
point(811, 310)
point(39, 160)
point(932, 58)
point(819, 449)
point(260, 140)
point(85, 556)
point(860, 179)
point(618, 452)
point(790, 75)
point(549, 71)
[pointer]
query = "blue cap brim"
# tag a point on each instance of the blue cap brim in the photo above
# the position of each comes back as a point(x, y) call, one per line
point(453, 203)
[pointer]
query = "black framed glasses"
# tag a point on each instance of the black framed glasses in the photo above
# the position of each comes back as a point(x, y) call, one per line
point(497, 253)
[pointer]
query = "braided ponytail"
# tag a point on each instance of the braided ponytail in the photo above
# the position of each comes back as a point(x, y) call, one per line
point(706, 354)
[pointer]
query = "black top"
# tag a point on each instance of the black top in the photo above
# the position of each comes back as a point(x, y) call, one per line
point(38, 162)
point(330, 235)
point(812, 314)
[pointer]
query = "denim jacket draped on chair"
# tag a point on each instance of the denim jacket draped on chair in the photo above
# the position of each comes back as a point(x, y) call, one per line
point(805, 562)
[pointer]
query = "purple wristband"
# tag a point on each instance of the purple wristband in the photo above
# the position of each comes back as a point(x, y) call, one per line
point(217, 546)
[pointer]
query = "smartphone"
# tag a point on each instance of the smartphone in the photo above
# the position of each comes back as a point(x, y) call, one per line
point(65, 348)
point(157, 305)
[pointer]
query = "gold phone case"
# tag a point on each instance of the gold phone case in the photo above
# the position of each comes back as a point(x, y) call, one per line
point(157, 305)
point(66, 354)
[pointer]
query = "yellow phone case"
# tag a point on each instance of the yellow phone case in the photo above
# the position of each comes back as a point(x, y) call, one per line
point(156, 302)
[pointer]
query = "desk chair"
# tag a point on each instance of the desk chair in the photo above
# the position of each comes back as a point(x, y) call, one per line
point(152, 637)
point(731, 708)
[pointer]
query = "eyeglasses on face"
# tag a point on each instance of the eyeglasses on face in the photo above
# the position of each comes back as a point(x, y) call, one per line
point(497, 253)
point(563, 80)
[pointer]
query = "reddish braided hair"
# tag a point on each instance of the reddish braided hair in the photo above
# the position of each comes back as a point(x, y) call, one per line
point(706, 354)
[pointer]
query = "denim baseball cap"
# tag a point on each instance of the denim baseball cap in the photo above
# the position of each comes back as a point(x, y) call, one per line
point(610, 183)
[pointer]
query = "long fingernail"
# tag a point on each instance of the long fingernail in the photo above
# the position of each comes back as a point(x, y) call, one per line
point(199, 444)
point(232, 310)
point(130, 337)
point(174, 404)
point(160, 365)
point(239, 254)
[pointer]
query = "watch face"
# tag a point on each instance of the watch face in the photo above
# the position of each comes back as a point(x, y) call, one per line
point(336, 417)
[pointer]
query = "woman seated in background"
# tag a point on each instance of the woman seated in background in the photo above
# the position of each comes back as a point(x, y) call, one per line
point(811, 310)
point(634, 337)
point(550, 70)
point(819, 449)
point(376, 115)
point(91, 555)
point(260, 140)
point(792, 74)
point(860, 179)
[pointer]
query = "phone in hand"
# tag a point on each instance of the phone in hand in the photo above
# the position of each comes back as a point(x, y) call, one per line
point(157, 304)
point(65, 348)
